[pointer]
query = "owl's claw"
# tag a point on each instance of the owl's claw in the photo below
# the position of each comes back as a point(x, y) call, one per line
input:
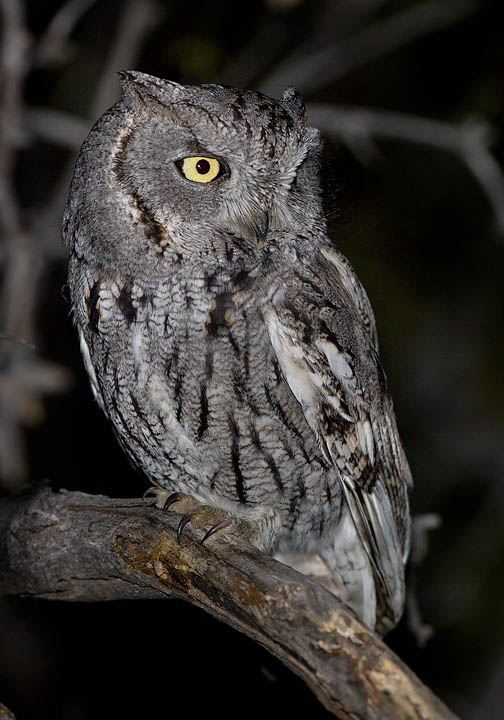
point(184, 520)
point(204, 514)
point(215, 528)
point(173, 498)
point(164, 499)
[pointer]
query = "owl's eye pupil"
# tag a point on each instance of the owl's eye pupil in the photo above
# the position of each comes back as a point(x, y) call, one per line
point(199, 169)
point(202, 166)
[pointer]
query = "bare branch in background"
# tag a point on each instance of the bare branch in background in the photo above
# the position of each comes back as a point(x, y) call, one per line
point(265, 47)
point(54, 45)
point(310, 72)
point(423, 525)
point(24, 377)
point(13, 67)
point(340, 19)
point(29, 247)
point(136, 20)
point(56, 126)
point(359, 127)
point(257, 54)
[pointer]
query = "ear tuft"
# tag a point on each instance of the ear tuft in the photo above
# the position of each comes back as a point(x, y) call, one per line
point(294, 102)
point(137, 86)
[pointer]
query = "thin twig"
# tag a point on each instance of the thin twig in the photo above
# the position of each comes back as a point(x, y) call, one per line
point(53, 46)
point(24, 376)
point(21, 257)
point(135, 21)
point(13, 66)
point(313, 71)
point(331, 22)
point(56, 126)
point(468, 141)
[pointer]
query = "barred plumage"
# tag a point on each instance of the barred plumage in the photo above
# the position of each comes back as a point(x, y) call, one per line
point(231, 346)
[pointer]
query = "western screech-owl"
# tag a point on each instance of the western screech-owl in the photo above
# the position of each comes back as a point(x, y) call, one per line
point(229, 343)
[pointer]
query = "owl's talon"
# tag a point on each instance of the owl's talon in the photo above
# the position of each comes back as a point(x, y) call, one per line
point(215, 528)
point(190, 509)
point(164, 499)
point(184, 520)
point(172, 499)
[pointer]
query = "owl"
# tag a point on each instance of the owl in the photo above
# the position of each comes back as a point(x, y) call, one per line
point(230, 344)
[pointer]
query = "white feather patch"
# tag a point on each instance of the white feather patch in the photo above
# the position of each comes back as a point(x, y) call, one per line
point(336, 404)
point(340, 367)
point(136, 347)
point(349, 559)
point(162, 403)
point(348, 281)
point(90, 370)
point(292, 362)
point(365, 438)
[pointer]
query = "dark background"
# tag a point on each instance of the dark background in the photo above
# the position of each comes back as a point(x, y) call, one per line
point(426, 237)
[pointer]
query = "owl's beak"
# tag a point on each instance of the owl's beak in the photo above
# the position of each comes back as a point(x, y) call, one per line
point(262, 225)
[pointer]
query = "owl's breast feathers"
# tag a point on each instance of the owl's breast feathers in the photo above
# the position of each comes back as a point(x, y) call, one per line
point(185, 370)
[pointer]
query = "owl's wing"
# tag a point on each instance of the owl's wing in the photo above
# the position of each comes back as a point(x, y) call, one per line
point(323, 333)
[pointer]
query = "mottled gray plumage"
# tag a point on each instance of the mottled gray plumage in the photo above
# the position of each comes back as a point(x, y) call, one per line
point(231, 346)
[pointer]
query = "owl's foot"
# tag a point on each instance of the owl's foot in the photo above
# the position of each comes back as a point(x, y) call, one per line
point(201, 516)
point(258, 525)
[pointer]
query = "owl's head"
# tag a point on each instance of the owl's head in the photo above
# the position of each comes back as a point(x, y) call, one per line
point(177, 166)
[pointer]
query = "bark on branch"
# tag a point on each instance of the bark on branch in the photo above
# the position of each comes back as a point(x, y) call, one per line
point(72, 546)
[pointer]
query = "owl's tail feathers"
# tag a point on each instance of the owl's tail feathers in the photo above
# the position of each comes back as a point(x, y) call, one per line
point(363, 562)
point(372, 517)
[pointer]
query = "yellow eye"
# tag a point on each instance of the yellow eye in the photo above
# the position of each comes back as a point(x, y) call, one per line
point(200, 169)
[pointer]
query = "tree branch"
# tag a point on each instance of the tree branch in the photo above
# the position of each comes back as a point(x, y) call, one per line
point(73, 546)
point(312, 71)
point(54, 45)
point(468, 141)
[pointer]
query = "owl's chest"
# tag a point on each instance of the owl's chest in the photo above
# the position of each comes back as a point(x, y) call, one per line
point(207, 343)
point(188, 376)
point(205, 368)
